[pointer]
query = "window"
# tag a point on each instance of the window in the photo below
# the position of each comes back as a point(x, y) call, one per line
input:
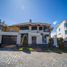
point(1, 27)
point(24, 28)
point(65, 24)
point(34, 28)
point(44, 39)
point(40, 28)
point(59, 29)
point(65, 31)
point(11, 30)
point(46, 29)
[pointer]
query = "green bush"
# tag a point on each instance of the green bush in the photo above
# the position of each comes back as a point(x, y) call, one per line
point(20, 49)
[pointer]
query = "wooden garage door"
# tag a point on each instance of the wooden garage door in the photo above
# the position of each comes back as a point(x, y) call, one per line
point(7, 39)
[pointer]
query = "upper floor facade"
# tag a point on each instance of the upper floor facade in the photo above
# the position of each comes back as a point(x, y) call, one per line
point(28, 27)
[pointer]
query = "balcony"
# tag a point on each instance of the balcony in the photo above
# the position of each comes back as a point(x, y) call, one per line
point(24, 31)
point(34, 31)
point(27, 31)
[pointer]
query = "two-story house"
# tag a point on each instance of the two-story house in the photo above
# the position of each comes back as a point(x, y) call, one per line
point(26, 34)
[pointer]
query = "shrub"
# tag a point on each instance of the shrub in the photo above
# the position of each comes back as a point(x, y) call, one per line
point(50, 42)
point(20, 49)
point(60, 42)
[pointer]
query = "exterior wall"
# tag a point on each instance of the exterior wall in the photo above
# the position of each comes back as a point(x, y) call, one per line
point(61, 33)
point(10, 28)
point(47, 39)
point(19, 40)
point(8, 33)
point(0, 38)
point(38, 36)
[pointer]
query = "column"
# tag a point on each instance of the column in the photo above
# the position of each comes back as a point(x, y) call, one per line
point(29, 27)
point(47, 38)
point(55, 42)
point(29, 39)
point(38, 28)
point(19, 39)
point(0, 39)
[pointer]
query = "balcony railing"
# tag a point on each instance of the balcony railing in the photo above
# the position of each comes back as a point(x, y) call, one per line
point(34, 31)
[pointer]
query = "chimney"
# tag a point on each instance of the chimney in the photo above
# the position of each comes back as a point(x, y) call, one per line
point(3, 22)
point(30, 21)
point(0, 20)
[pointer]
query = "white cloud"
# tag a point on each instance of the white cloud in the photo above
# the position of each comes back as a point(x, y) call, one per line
point(55, 22)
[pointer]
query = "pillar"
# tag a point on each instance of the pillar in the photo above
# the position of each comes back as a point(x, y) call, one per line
point(55, 42)
point(47, 38)
point(29, 39)
point(29, 27)
point(38, 28)
point(0, 39)
point(19, 39)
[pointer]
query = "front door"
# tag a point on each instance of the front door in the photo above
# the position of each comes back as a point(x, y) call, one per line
point(34, 40)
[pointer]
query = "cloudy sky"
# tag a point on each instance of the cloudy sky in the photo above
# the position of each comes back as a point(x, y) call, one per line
point(49, 11)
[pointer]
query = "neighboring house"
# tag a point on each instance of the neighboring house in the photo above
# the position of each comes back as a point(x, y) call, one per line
point(62, 30)
point(53, 34)
point(26, 34)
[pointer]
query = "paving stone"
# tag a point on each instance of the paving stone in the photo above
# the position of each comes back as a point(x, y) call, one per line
point(34, 59)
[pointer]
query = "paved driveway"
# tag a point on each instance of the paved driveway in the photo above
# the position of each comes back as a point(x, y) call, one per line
point(33, 59)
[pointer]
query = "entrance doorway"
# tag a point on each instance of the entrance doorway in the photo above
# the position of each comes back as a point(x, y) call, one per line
point(24, 39)
point(34, 40)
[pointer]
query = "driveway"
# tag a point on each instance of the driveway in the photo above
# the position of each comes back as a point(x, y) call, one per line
point(33, 59)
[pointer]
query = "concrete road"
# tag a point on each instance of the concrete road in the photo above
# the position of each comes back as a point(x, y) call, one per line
point(33, 59)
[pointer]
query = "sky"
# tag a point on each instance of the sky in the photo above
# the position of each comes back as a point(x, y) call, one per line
point(45, 11)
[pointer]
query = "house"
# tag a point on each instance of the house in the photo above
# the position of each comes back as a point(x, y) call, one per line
point(26, 34)
point(62, 31)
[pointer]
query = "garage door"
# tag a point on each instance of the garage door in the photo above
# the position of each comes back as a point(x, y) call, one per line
point(8, 39)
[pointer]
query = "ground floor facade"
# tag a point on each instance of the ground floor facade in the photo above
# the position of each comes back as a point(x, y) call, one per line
point(24, 39)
